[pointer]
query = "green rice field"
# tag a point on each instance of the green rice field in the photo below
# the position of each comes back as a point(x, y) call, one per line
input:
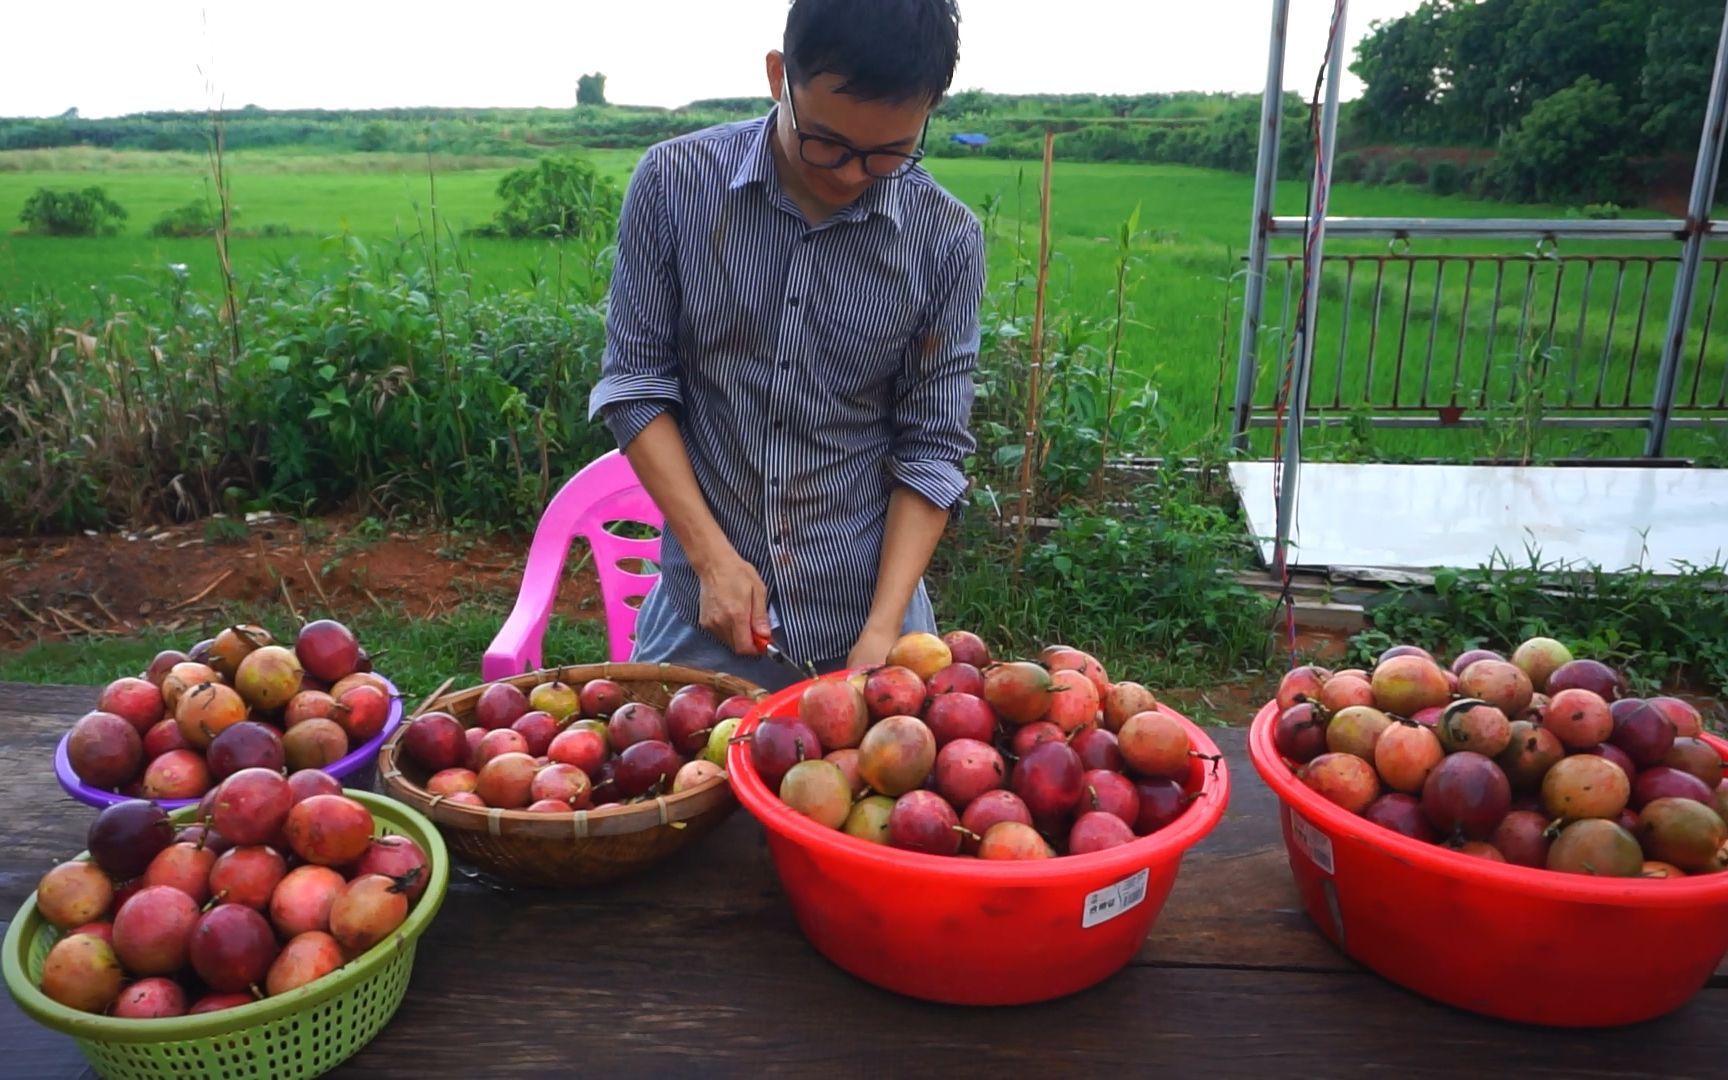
point(1185, 284)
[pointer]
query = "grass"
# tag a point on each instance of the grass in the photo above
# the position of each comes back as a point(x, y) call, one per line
point(1193, 231)
point(416, 654)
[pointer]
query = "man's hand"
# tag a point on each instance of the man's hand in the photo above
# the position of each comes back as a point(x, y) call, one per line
point(871, 649)
point(734, 606)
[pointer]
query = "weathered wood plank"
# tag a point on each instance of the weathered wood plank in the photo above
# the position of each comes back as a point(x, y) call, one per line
point(735, 996)
point(500, 989)
point(779, 1015)
point(33, 700)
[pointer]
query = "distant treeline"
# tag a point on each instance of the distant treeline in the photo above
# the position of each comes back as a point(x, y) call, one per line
point(1191, 127)
point(1512, 99)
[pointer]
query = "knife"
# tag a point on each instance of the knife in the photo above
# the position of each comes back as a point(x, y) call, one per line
point(765, 642)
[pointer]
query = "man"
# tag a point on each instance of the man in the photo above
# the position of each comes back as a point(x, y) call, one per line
point(791, 339)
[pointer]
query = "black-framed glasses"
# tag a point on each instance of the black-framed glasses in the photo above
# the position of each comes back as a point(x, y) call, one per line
point(825, 153)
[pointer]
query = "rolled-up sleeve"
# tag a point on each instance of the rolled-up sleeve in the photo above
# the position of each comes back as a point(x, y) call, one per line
point(933, 411)
point(639, 367)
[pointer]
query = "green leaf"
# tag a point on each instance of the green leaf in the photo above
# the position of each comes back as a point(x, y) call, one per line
point(1132, 227)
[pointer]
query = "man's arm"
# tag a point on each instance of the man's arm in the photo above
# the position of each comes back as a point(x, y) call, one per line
point(639, 394)
point(933, 436)
point(734, 600)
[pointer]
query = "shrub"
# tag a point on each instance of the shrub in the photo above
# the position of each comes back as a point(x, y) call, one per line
point(1444, 178)
point(1407, 171)
point(1349, 168)
point(1487, 183)
point(89, 212)
point(372, 388)
point(559, 197)
point(193, 219)
point(1104, 142)
point(1142, 589)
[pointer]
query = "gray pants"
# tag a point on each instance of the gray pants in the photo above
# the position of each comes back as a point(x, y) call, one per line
point(662, 636)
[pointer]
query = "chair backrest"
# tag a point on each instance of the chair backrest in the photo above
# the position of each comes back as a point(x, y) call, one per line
point(605, 492)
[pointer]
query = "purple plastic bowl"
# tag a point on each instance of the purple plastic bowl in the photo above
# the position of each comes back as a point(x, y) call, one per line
point(341, 768)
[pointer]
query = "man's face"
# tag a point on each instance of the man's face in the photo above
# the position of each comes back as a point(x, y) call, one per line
point(840, 118)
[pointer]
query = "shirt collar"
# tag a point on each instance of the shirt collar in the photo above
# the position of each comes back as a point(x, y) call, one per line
point(881, 198)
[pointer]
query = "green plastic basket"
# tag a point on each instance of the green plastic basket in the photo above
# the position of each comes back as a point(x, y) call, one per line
point(302, 1033)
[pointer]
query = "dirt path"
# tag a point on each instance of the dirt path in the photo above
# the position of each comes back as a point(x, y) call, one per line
point(118, 583)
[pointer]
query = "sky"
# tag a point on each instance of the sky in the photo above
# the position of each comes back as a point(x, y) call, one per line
point(110, 57)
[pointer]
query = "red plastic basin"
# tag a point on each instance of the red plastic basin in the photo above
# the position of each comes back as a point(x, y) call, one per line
point(966, 931)
point(1513, 942)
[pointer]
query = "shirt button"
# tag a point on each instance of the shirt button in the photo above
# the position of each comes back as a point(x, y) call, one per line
point(809, 237)
point(784, 364)
point(778, 424)
point(775, 481)
point(793, 300)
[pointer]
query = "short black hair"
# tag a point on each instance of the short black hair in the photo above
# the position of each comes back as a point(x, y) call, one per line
point(881, 50)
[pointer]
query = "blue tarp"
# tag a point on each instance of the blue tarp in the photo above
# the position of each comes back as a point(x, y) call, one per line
point(970, 139)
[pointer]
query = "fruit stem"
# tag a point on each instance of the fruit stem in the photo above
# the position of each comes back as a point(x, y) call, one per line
point(1215, 759)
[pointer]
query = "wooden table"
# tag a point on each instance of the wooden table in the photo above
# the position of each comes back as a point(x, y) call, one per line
point(698, 968)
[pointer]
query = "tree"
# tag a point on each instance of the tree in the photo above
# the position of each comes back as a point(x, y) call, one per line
point(1678, 52)
point(591, 89)
point(1555, 42)
point(1476, 104)
point(1400, 62)
point(964, 103)
point(1472, 69)
point(1572, 145)
point(374, 136)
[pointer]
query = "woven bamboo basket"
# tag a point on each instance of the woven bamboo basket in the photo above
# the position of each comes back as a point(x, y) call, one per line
point(586, 847)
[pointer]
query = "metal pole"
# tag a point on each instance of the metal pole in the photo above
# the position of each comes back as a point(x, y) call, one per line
point(1298, 406)
point(1697, 225)
point(1265, 185)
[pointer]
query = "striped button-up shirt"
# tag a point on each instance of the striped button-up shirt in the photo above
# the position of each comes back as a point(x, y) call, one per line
point(811, 368)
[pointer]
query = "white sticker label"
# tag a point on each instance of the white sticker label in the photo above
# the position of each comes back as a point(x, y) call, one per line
point(1113, 900)
point(1314, 843)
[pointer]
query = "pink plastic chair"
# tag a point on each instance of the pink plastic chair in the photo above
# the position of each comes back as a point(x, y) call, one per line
point(606, 490)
